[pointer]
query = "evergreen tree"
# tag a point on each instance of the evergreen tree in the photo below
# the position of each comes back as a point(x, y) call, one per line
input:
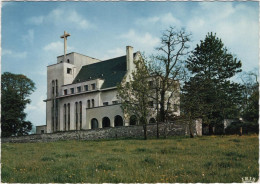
point(15, 92)
point(212, 66)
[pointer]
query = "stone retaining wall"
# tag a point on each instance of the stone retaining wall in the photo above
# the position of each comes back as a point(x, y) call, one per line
point(107, 133)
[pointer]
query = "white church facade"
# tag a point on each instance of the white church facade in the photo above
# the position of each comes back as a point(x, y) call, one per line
point(82, 92)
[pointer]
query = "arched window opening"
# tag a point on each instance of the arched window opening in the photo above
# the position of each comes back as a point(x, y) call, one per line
point(118, 121)
point(94, 123)
point(133, 120)
point(152, 121)
point(105, 122)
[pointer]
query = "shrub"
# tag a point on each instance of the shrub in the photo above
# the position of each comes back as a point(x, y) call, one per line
point(247, 127)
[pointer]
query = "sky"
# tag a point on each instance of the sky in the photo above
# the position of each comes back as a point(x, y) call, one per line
point(31, 33)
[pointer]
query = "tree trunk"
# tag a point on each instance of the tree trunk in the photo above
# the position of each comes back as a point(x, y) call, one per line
point(158, 134)
point(145, 131)
point(162, 108)
point(240, 131)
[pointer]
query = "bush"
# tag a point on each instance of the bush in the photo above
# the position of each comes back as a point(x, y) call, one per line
point(247, 127)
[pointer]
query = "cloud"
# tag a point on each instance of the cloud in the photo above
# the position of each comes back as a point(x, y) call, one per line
point(146, 42)
point(223, 10)
point(29, 37)
point(60, 17)
point(55, 49)
point(36, 20)
point(10, 53)
point(53, 46)
point(235, 24)
point(117, 52)
point(75, 18)
point(112, 53)
point(166, 19)
point(37, 104)
point(36, 110)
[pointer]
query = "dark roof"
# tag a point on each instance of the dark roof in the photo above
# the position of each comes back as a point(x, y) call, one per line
point(112, 71)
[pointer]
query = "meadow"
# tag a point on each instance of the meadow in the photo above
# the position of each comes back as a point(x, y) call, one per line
point(175, 159)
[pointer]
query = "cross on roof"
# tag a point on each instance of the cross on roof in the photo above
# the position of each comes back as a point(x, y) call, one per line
point(65, 43)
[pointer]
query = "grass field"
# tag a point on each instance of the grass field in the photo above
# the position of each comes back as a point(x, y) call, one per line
point(176, 159)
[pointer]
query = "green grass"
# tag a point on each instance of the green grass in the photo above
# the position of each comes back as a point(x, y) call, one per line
point(176, 159)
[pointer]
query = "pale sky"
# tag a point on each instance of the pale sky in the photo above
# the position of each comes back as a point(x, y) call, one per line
point(31, 33)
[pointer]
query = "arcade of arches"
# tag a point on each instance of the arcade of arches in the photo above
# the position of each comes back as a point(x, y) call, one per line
point(118, 121)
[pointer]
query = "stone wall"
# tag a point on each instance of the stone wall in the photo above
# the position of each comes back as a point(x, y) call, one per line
point(106, 133)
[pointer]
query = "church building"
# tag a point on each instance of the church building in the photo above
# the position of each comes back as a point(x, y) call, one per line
point(82, 91)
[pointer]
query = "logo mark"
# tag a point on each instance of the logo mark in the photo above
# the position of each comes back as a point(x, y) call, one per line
point(248, 179)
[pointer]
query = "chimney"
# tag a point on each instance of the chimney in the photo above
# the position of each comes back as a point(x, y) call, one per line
point(129, 58)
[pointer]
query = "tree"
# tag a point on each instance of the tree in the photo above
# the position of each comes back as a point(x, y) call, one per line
point(167, 66)
point(134, 93)
point(212, 66)
point(191, 102)
point(16, 89)
point(250, 107)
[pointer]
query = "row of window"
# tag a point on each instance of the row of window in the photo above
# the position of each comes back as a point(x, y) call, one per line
point(91, 103)
point(79, 89)
point(78, 116)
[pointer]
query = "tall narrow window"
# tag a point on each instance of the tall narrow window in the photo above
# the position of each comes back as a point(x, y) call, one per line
point(57, 88)
point(76, 114)
point(65, 92)
point(71, 90)
point(93, 103)
point(88, 103)
point(53, 115)
point(68, 116)
point(79, 89)
point(65, 116)
point(80, 115)
point(93, 86)
point(56, 115)
point(86, 87)
point(53, 84)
